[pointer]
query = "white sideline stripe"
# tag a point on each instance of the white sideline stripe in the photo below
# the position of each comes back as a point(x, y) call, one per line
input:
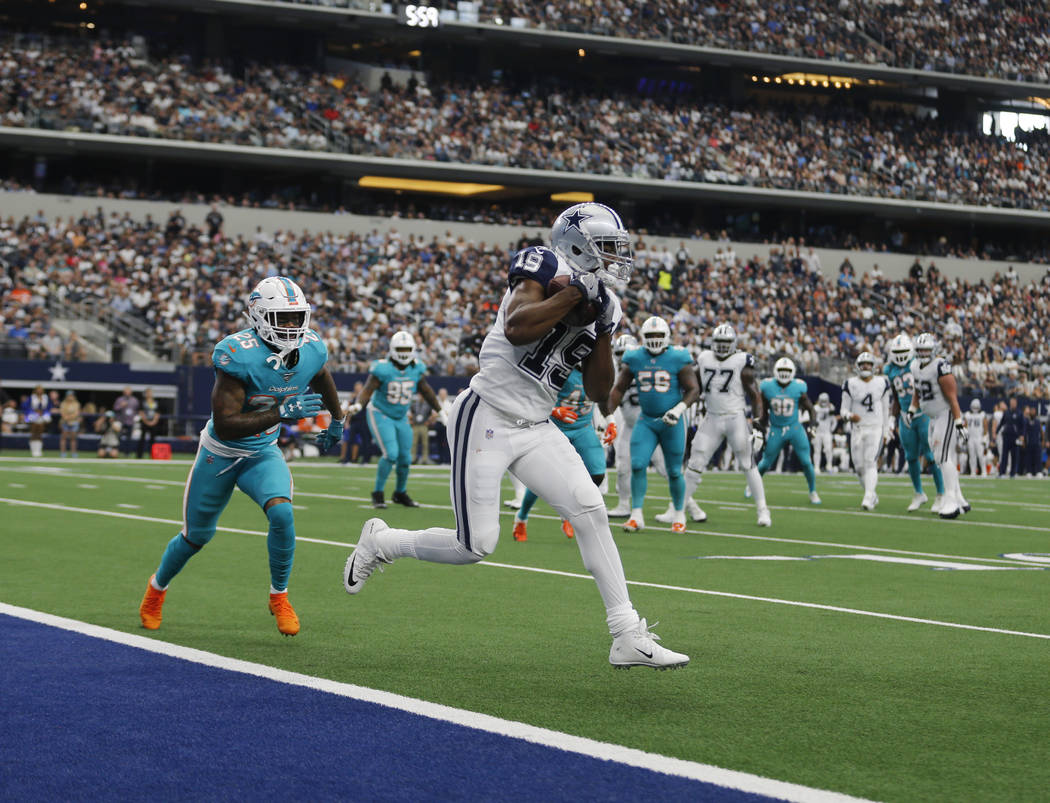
point(577, 575)
point(706, 773)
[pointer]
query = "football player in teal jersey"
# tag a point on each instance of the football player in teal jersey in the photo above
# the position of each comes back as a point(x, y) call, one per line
point(397, 379)
point(273, 371)
point(914, 436)
point(574, 416)
point(667, 385)
point(784, 395)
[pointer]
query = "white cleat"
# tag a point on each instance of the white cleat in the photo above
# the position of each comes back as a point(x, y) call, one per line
point(635, 523)
point(638, 647)
point(868, 502)
point(747, 492)
point(917, 501)
point(514, 503)
point(620, 511)
point(667, 516)
point(938, 504)
point(365, 559)
point(696, 513)
point(814, 499)
point(952, 513)
point(764, 519)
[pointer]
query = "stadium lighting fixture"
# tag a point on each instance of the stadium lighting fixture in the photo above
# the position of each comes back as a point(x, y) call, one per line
point(83, 6)
point(754, 77)
point(581, 52)
point(573, 197)
point(765, 79)
point(777, 79)
point(460, 188)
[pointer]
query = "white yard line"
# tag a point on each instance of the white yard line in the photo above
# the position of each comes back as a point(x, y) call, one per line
point(557, 573)
point(628, 756)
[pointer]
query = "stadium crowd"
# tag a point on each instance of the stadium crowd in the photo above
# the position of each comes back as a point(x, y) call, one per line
point(832, 149)
point(975, 37)
point(187, 280)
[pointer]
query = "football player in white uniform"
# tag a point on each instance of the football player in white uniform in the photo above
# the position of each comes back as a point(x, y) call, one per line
point(726, 375)
point(866, 405)
point(936, 395)
point(976, 437)
point(825, 425)
point(502, 422)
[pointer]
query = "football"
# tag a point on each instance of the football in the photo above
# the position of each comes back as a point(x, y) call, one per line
point(584, 313)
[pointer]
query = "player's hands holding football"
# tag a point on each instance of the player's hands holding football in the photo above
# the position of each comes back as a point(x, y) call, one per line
point(327, 438)
point(671, 416)
point(305, 405)
point(589, 285)
point(564, 414)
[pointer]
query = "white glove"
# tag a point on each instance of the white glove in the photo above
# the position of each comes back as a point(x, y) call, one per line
point(758, 440)
point(960, 430)
point(443, 417)
point(909, 416)
point(671, 416)
point(589, 285)
point(353, 410)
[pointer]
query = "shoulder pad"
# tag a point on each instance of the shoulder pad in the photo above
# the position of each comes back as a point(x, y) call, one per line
point(749, 359)
point(845, 388)
point(536, 262)
point(943, 367)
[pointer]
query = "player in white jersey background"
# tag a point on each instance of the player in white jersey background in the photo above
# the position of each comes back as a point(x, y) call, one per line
point(936, 395)
point(502, 422)
point(825, 424)
point(726, 375)
point(866, 406)
point(976, 438)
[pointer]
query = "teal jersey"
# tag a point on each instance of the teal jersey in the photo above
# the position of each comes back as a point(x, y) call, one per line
point(267, 382)
point(782, 401)
point(397, 386)
point(656, 377)
point(572, 395)
point(901, 381)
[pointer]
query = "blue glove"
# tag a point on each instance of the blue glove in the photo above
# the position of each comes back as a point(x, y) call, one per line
point(606, 322)
point(328, 438)
point(305, 405)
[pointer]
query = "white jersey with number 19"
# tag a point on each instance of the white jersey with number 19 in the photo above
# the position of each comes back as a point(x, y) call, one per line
point(523, 381)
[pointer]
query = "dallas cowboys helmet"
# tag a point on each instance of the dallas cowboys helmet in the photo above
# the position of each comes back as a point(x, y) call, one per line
point(402, 348)
point(279, 313)
point(925, 346)
point(975, 406)
point(823, 398)
point(591, 238)
point(784, 371)
point(623, 344)
point(723, 340)
point(865, 364)
point(656, 334)
point(901, 350)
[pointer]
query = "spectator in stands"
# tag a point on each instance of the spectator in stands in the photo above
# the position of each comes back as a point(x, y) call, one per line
point(214, 222)
point(71, 419)
point(74, 349)
point(126, 408)
point(149, 422)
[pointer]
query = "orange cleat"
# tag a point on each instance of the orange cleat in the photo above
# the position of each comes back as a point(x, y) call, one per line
point(287, 621)
point(632, 526)
point(678, 527)
point(567, 528)
point(150, 608)
point(519, 531)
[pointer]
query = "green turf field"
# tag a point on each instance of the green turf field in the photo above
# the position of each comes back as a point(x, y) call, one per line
point(942, 696)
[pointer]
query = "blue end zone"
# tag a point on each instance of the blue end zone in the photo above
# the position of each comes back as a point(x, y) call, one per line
point(85, 718)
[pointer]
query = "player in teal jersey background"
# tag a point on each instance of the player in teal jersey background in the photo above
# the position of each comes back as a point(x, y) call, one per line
point(574, 416)
point(263, 376)
point(784, 395)
point(667, 385)
point(914, 436)
point(392, 385)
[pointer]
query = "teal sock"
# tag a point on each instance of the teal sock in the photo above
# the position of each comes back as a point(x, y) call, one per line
point(639, 485)
point(280, 543)
point(938, 478)
point(916, 475)
point(811, 475)
point(677, 491)
point(402, 478)
point(382, 472)
point(178, 551)
point(527, 501)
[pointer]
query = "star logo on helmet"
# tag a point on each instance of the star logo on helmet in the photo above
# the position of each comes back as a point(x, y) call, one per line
point(574, 220)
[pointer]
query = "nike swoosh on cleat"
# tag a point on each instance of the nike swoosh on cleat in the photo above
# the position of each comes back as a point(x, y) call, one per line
point(648, 655)
point(350, 574)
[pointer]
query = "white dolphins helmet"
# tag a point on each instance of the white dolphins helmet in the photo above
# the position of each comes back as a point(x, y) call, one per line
point(591, 237)
point(901, 350)
point(784, 371)
point(623, 344)
point(279, 313)
point(656, 334)
point(402, 348)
